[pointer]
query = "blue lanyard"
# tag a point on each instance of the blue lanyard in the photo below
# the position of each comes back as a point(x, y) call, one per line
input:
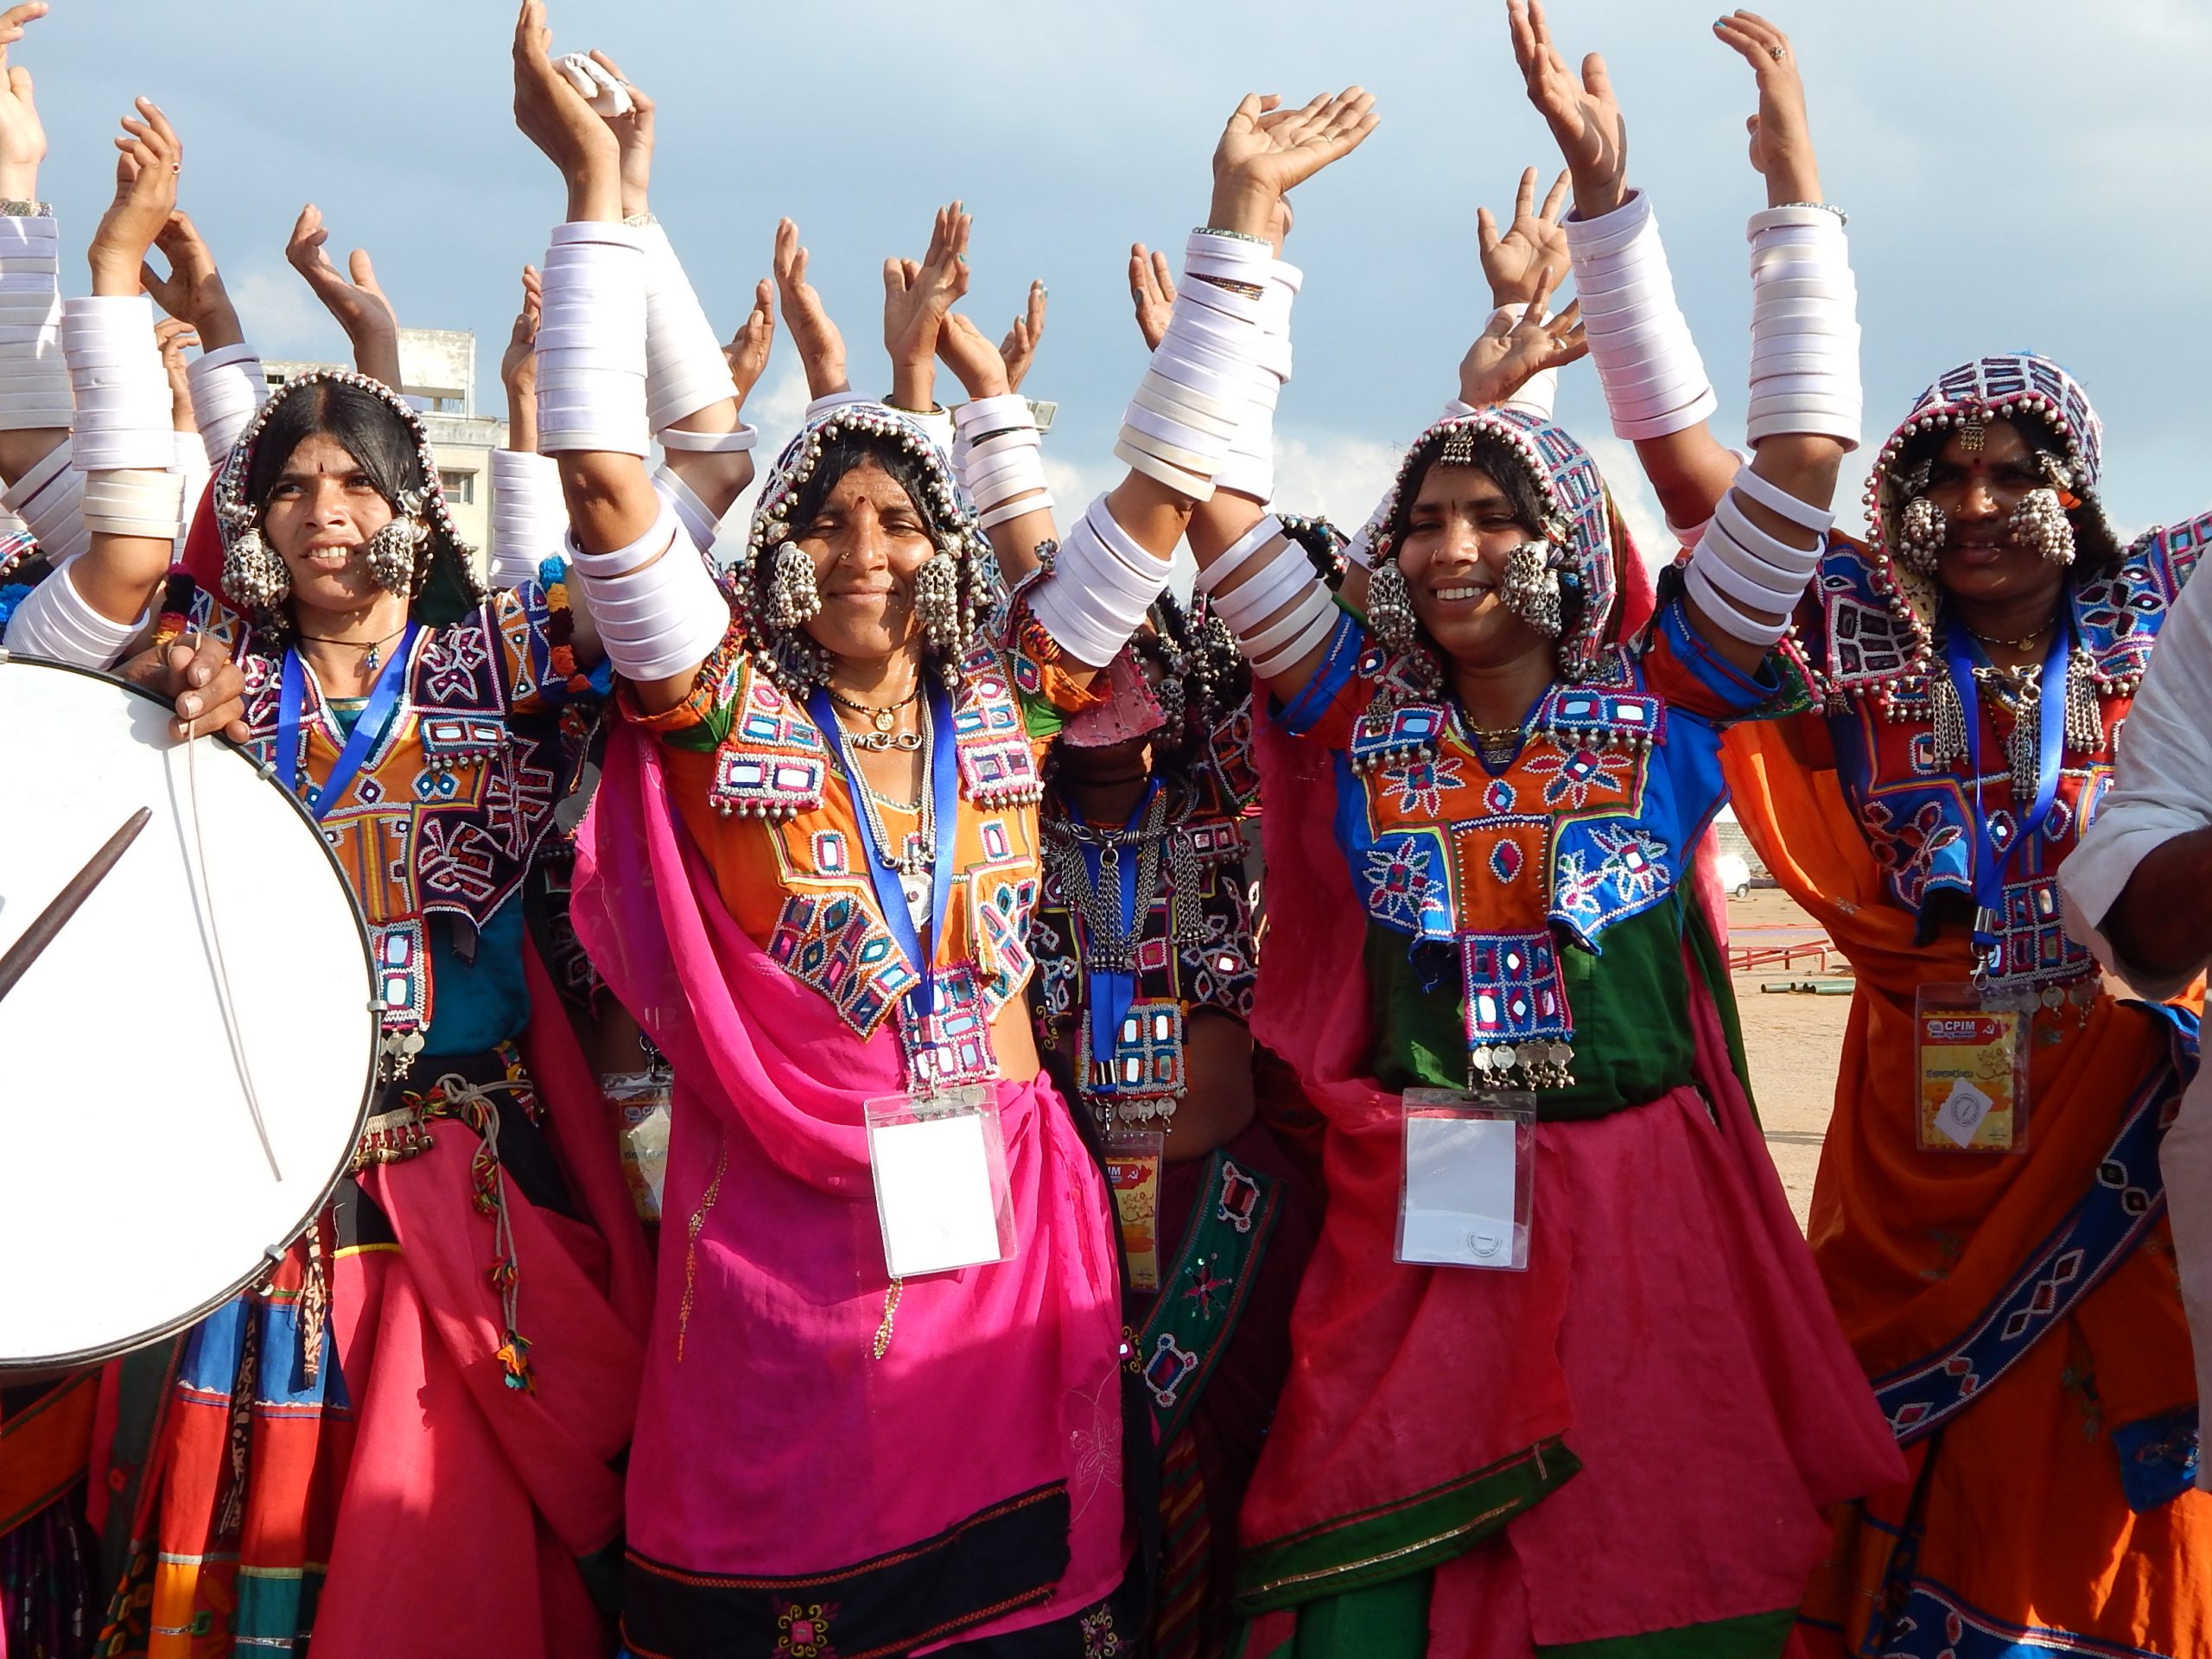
point(1988, 868)
point(321, 798)
point(945, 780)
point(1112, 992)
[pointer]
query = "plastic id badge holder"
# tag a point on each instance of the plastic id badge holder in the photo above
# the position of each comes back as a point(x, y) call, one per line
point(939, 1164)
point(1132, 1161)
point(1971, 1047)
point(1471, 1165)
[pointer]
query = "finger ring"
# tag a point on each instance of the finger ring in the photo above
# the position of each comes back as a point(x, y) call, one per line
point(1776, 53)
point(176, 166)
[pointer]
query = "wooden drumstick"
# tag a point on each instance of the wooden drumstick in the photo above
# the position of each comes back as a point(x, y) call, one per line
point(55, 916)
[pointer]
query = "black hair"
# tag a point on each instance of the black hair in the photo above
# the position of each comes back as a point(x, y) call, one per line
point(376, 438)
point(1487, 453)
point(2097, 551)
point(844, 452)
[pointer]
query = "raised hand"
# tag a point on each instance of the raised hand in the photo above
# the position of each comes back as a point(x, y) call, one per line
point(1584, 117)
point(146, 195)
point(1267, 151)
point(1782, 139)
point(1513, 261)
point(748, 350)
point(1513, 350)
point(22, 138)
point(820, 347)
point(193, 292)
point(917, 299)
point(174, 337)
point(518, 363)
point(554, 116)
point(633, 138)
point(359, 304)
point(1018, 349)
point(980, 366)
point(1151, 290)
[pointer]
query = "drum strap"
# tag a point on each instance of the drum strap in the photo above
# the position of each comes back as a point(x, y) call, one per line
point(382, 699)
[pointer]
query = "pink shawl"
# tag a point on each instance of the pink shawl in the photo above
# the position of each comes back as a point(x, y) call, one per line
point(771, 1442)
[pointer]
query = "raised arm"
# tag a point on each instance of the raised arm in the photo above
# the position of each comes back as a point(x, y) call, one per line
point(656, 609)
point(226, 381)
point(1222, 361)
point(1655, 382)
point(998, 450)
point(691, 401)
point(121, 438)
point(529, 517)
point(355, 300)
point(821, 347)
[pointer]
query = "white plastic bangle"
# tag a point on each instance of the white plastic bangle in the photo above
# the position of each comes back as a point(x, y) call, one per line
point(228, 386)
point(55, 623)
point(982, 416)
point(1265, 640)
point(661, 613)
point(700, 523)
point(1101, 584)
point(134, 501)
point(1014, 508)
point(31, 365)
point(1266, 591)
point(529, 516)
point(591, 377)
point(1805, 334)
point(1238, 553)
point(1647, 342)
point(734, 442)
point(123, 405)
point(1323, 612)
point(685, 369)
point(1781, 502)
point(49, 499)
point(1724, 612)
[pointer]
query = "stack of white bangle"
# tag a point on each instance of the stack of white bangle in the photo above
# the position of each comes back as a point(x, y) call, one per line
point(1251, 469)
point(1654, 380)
point(54, 622)
point(591, 342)
point(1100, 585)
point(657, 611)
point(529, 516)
point(1804, 326)
point(1287, 579)
point(685, 369)
point(1215, 360)
point(700, 526)
point(1746, 581)
point(999, 455)
point(227, 387)
point(34, 384)
point(122, 438)
point(50, 500)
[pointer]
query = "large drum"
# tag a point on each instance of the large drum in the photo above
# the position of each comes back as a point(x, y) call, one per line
point(137, 1191)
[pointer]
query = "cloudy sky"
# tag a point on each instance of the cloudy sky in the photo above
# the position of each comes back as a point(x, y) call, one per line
point(2019, 173)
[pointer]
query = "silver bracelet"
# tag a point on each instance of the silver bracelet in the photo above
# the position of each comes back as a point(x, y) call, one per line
point(14, 209)
point(1820, 207)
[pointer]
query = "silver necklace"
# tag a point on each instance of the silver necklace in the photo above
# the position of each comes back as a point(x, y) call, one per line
point(915, 862)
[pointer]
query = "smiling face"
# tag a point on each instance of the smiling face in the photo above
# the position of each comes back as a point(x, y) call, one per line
point(318, 515)
point(867, 541)
point(1462, 528)
point(1977, 491)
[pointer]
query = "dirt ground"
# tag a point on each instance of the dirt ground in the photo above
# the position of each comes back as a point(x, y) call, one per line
point(1792, 1039)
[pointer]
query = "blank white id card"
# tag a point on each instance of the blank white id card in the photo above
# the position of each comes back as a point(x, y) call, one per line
point(941, 1195)
point(1468, 1171)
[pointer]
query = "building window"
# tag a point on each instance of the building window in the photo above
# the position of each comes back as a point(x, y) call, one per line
point(459, 487)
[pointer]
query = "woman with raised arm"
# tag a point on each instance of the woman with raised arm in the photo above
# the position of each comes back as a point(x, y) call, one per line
point(809, 869)
point(435, 1387)
point(1567, 1382)
point(1997, 1253)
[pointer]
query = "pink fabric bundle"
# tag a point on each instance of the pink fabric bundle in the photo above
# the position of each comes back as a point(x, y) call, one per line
point(772, 1440)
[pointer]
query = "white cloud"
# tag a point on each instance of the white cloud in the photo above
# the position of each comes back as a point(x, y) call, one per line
point(281, 318)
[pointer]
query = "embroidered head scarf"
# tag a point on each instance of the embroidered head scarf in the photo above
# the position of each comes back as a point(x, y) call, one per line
point(963, 588)
point(1588, 542)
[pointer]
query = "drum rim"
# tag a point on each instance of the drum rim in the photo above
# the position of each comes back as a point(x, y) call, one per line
point(105, 1351)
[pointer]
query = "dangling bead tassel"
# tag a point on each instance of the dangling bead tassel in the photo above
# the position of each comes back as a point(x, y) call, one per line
point(2085, 716)
point(2024, 745)
point(1948, 739)
point(514, 1360)
point(883, 1344)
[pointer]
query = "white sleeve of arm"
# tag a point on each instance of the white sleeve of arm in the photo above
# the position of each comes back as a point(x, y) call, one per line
point(2162, 789)
point(54, 622)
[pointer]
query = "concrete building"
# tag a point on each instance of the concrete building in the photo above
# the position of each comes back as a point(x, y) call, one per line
point(437, 373)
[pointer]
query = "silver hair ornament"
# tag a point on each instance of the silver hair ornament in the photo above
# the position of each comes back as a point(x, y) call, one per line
point(1530, 589)
point(2041, 526)
point(1390, 606)
point(793, 595)
point(1921, 531)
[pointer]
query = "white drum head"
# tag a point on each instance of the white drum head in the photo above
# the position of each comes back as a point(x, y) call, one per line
point(134, 1195)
